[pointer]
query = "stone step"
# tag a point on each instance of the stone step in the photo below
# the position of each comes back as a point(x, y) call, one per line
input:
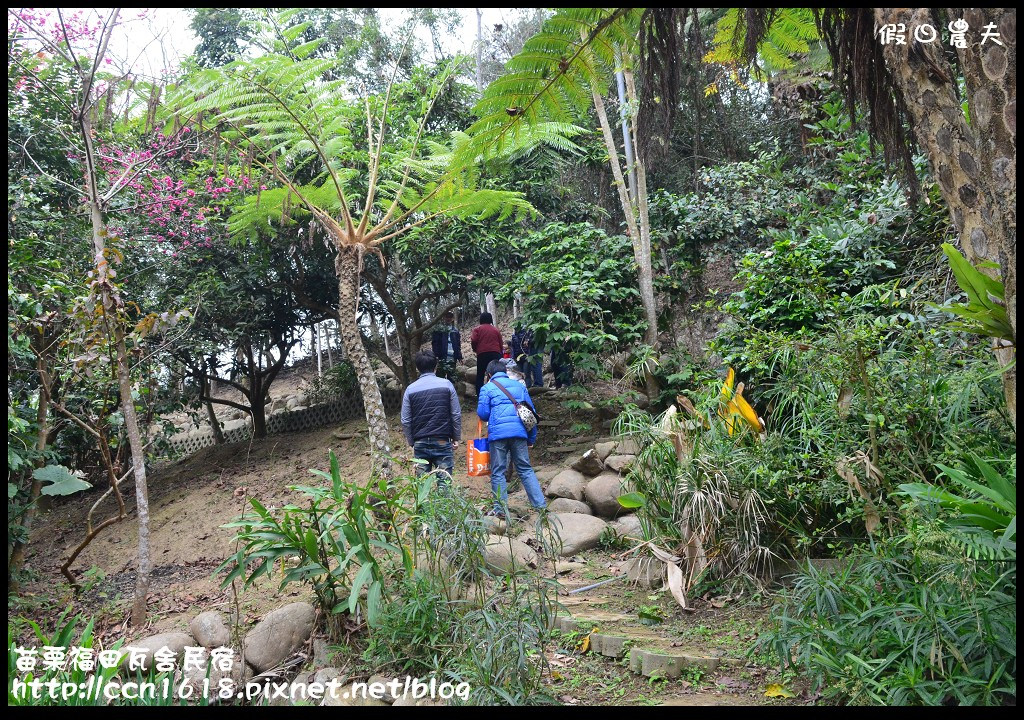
point(650, 654)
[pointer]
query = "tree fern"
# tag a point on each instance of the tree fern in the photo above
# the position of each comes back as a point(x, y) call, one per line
point(295, 122)
point(546, 88)
point(790, 33)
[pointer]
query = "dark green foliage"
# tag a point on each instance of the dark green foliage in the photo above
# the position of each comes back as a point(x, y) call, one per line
point(68, 633)
point(912, 623)
point(577, 288)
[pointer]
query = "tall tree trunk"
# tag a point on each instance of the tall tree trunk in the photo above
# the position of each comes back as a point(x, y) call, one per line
point(491, 307)
point(111, 303)
point(218, 434)
point(315, 334)
point(347, 265)
point(326, 341)
point(643, 259)
point(975, 163)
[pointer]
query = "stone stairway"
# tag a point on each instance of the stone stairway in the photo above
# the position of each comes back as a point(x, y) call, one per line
point(649, 653)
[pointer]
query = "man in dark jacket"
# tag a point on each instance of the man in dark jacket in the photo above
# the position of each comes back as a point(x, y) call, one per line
point(432, 420)
point(527, 358)
point(509, 442)
point(487, 344)
point(446, 342)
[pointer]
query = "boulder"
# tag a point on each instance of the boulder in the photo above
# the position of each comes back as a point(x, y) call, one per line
point(564, 567)
point(299, 408)
point(238, 672)
point(565, 505)
point(235, 424)
point(210, 630)
point(604, 449)
point(469, 389)
point(576, 532)
point(602, 494)
point(291, 402)
point(567, 484)
point(391, 692)
point(519, 503)
point(627, 446)
point(175, 642)
point(277, 636)
point(628, 526)
point(503, 554)
point(589, 464)
point(494, 525)
point(619, 463)
point(546, 474)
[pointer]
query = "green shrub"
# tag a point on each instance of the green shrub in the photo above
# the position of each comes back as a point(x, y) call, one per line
point(579, 291)
point(901, 626)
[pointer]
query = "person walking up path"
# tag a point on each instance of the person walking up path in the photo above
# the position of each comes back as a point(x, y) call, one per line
point(432, 420)
point(446, 344)
point(487, 344)
point(509, 440)
point(523, 353)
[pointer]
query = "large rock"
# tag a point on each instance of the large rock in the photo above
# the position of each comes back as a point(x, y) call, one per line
point(235, 424)
point(277, 636)
point(565, 505)
point(628, 526)
point(174, 642)
point(604, 449)
point(494, 525)
point(589, 464)
point(210, 630)
point(238, 672)
point(619, 463)
point(504, 554)
point(568, 484)
point(628, 446)
point(602, 494)
point(576, 532)
point(546, 474)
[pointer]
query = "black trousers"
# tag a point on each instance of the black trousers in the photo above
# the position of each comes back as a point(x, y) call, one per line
point(482, 361)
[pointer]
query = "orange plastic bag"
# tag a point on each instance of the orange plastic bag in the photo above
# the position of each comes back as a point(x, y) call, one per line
point(478, 457)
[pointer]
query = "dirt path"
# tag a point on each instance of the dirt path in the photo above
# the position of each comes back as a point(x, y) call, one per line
point(190, 501)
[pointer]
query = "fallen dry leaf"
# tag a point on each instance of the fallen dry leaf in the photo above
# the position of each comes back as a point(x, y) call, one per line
point(775, 690)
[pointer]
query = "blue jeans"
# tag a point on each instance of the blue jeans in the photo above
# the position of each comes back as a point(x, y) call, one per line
point(440, 460)
point(516, 451)
point(534, 372)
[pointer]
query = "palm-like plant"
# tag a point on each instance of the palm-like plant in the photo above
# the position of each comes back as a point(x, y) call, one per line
point(305, 129)
point(562, 72)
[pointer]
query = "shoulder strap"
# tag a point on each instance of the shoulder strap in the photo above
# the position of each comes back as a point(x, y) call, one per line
point(515, 402)
point(507, 393)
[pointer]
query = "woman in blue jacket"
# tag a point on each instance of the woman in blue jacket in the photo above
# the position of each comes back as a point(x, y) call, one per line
point(508, 439)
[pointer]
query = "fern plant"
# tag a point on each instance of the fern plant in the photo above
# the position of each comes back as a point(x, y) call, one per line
point(360, 170)
point(561, 73)
point(790, 32)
